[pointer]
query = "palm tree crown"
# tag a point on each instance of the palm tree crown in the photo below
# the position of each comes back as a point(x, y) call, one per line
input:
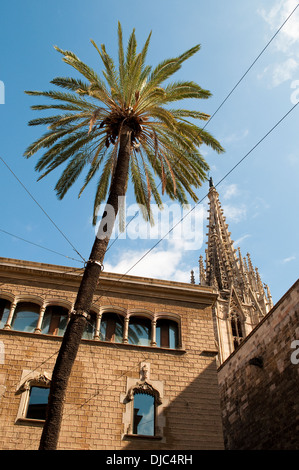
point(164, 142)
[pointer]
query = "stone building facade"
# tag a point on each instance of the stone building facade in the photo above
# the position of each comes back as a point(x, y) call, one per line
point(259, 383)
point(145, 376)
point(146, 373)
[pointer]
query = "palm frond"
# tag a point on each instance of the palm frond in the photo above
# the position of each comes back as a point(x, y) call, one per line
point(67, 97)
point(185, 90)
point(72, 84)
point(121, 57)
point(71, 173)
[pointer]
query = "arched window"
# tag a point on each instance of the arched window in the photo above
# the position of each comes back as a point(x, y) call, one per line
point(54, 320)
point(34, 389)
point(25, 317)
point(90, 326)
point(167, 334)
point(4, 312)
point(142, 400)
point(237, 331)
point(139, 331)
point(144, 414)
point(112, 326)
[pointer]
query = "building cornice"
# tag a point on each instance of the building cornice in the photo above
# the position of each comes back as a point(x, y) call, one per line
point(111, 283)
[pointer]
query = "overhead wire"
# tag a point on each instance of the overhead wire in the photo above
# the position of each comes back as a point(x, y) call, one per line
point(39, 246)
point(42, 209)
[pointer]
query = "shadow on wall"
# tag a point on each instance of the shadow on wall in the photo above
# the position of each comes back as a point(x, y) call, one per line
point(192, 421)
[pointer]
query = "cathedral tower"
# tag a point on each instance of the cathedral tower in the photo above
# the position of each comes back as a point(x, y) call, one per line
point(242, 300)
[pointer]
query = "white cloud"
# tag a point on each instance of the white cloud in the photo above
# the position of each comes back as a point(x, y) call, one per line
point(285, 44)
point(230, 191)
point(284, 71)
point(275, 17)
point(293, 159)
point(240, 240)
point(234, 213)
point(235, 137)
point(290, 258)
point(158, 264)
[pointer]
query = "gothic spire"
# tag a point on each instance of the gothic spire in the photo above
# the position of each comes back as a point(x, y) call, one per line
point(225, 266)
point(242, 299)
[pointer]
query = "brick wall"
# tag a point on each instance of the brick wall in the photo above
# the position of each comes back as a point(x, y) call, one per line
point(94, 409)
point(259, 383)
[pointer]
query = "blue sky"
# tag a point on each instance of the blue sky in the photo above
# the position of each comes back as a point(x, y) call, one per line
point(260, 197)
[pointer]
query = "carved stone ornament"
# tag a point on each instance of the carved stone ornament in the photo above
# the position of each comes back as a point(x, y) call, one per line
point(39, 380)
point(144, 372)
point(145, 388)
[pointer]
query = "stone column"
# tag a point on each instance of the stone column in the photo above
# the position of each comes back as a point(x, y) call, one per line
point(126, 329)
point(7, 325)
point(98, 326)
point(154, 324)
point(38, 327)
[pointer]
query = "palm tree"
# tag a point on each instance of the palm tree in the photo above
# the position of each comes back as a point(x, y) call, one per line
point(120, 127)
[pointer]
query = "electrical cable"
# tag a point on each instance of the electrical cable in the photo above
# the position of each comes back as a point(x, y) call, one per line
point(39, 246)
point(47, 215)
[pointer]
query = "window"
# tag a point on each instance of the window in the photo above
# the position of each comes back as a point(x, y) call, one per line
point(34, 390)
point(144, 414)
point(25, 317)
point(112, 326)
point(139, 331)
point(90, 327)
point(37, 405)
point(167, 334)
point(54, 320)
point(145, 402)
point(4, 312)
point(236, 327)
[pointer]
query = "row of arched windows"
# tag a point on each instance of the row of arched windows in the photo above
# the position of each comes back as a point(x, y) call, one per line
point(108, 326)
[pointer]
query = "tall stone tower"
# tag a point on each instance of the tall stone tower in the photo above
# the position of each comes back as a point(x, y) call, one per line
point(242, 300)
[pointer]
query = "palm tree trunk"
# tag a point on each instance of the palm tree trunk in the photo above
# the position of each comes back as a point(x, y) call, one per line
point(73, 334)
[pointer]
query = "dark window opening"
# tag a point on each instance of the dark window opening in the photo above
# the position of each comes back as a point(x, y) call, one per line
point(54, 320)
point(38, 400)
point(237, 331)
point(112, 326)
point(4, 312)
point(25, 317)
point(167, 334)
point(139, 331)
